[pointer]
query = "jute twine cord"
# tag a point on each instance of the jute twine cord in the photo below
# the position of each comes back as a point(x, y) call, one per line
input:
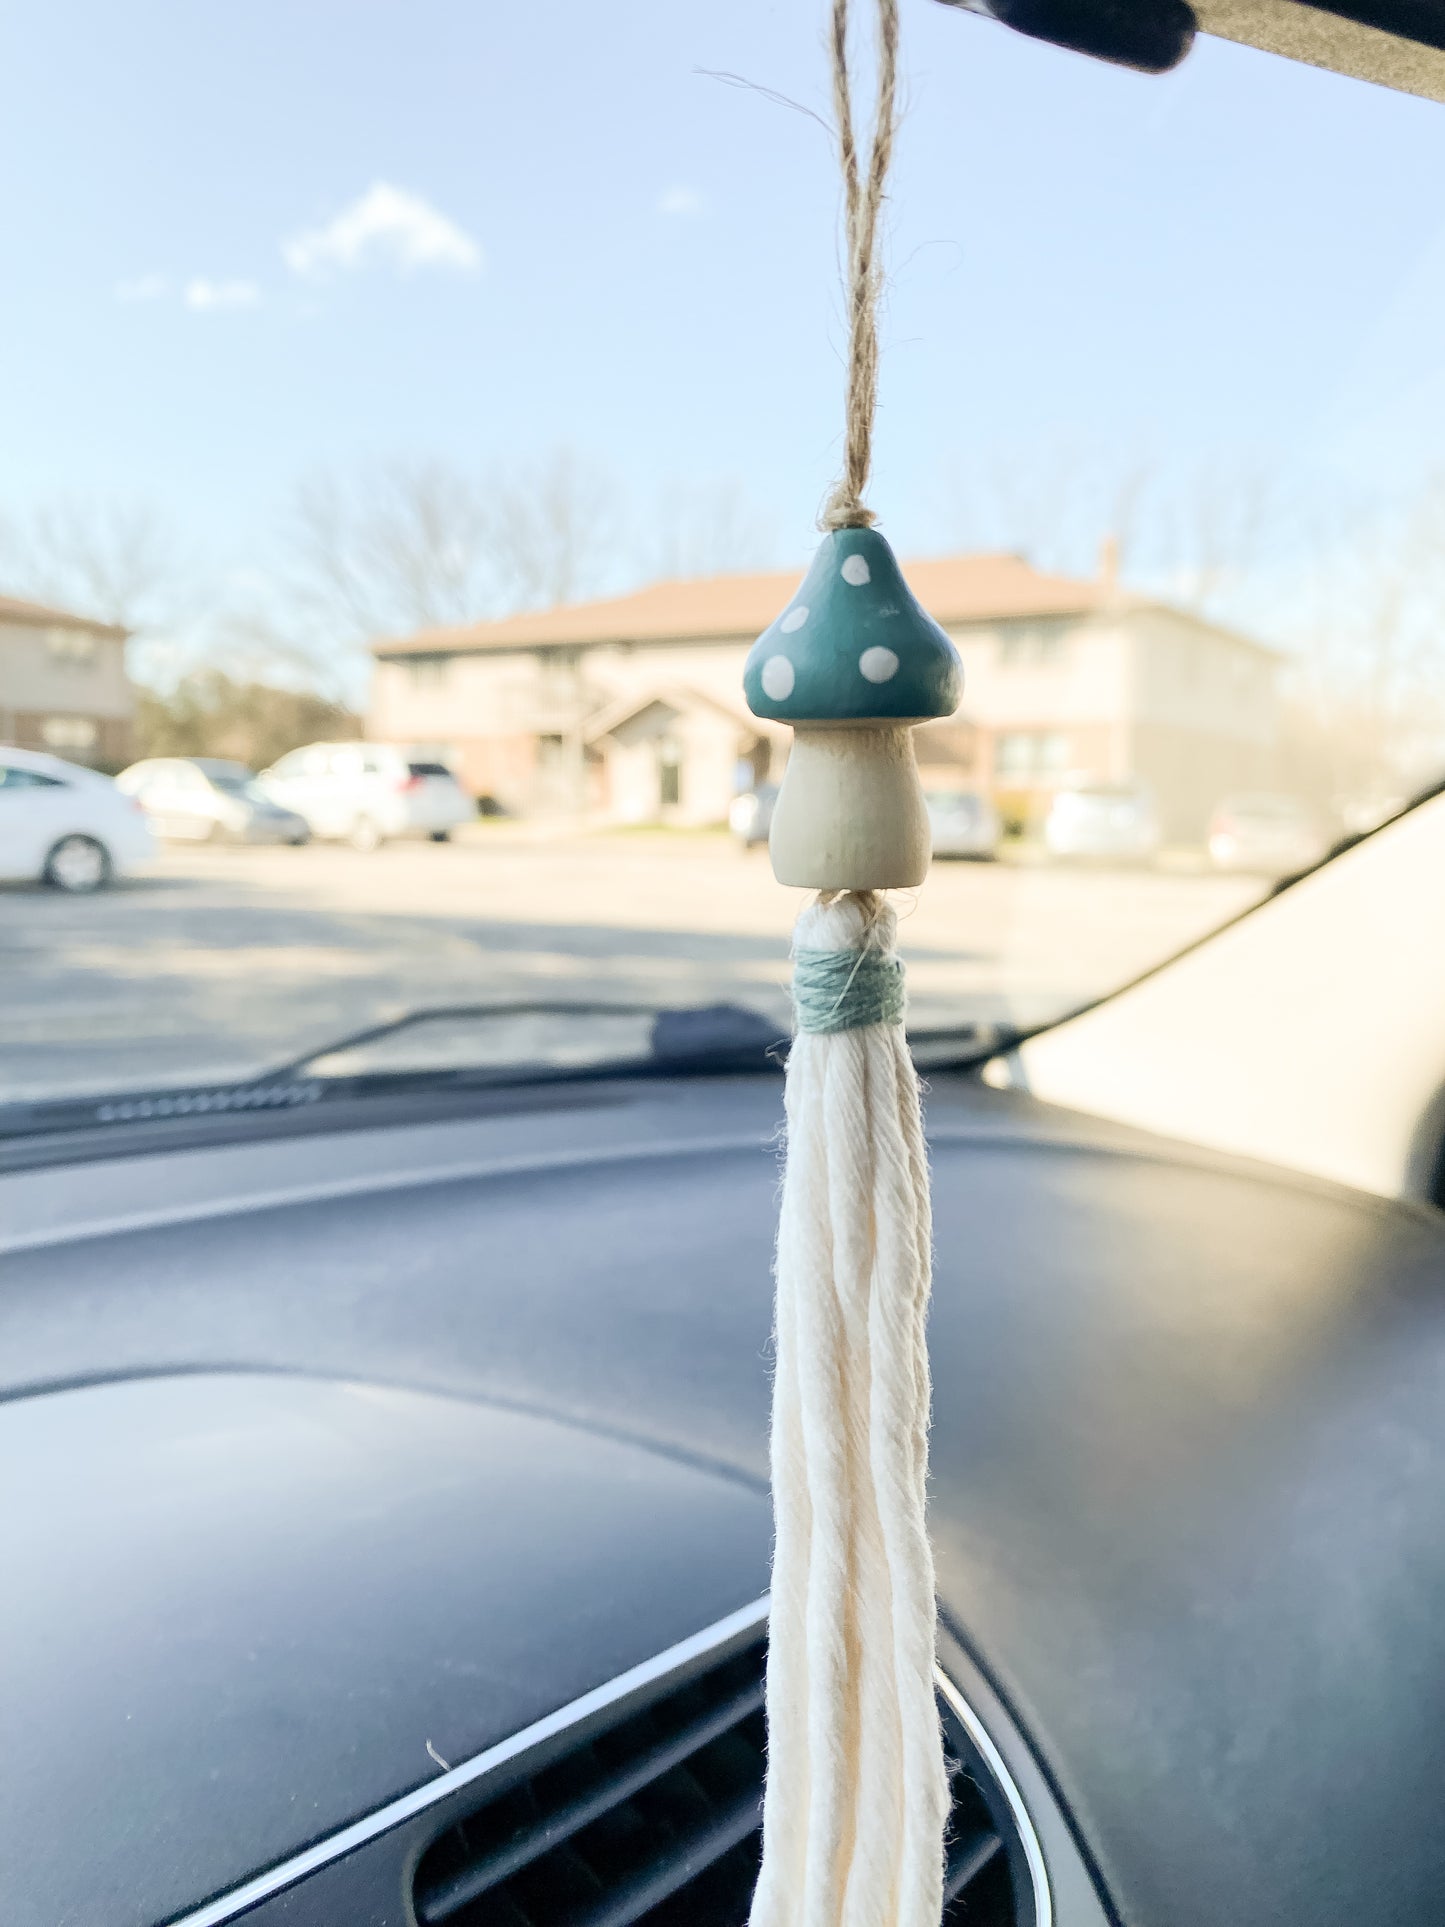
point(862, 201)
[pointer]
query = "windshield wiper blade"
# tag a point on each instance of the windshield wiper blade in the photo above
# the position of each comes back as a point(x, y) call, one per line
point(719, 1038)
point(454, 1013)
point(704, 1037)
point(711, 1040)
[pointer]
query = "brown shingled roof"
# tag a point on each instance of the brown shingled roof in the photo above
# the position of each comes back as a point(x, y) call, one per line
point(954, 589)
point(37, 615)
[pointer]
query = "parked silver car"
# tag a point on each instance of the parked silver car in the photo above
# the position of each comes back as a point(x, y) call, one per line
point(205, 799)
point(1102, 822)
point(963, 823)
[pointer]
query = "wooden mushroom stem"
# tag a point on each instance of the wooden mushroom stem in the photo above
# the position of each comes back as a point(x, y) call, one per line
point(850, 813)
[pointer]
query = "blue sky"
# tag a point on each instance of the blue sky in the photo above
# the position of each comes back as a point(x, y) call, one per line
point(582, 241)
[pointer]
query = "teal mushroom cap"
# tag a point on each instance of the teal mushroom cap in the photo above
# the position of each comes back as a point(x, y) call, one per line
point(854, 645)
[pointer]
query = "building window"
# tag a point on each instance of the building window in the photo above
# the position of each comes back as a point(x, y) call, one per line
point(68, 732)
point(71, 645)
point(559, 678)
point(669, 771)
point(1025, 754)
point(1032, 645)
point(429, 672)
point(549, 751)
point(558, 665)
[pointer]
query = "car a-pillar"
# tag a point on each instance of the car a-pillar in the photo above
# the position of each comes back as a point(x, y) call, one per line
point(854, 663)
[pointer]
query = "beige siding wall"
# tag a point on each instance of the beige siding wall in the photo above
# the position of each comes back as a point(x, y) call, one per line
point(1082, 679)
point(1064, 685)
point(706, 748)
point(1191, 770)
point(37, 674)
point(463, 696)
point(53, 680)
point(1190, 677)
point(1204, 720)
point(709, 766)
point(502, 767)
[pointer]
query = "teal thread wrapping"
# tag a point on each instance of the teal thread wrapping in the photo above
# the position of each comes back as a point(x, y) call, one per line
point(846, 989)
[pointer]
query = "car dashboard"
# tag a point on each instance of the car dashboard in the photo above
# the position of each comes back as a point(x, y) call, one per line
point(380, 1496)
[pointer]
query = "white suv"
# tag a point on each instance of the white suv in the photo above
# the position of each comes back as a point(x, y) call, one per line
point(365, 793)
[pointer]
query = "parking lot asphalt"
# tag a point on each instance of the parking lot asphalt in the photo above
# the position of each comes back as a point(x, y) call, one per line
point(220, 962)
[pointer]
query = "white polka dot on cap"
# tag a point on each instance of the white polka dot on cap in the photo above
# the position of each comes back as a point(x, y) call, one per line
point(794, 619)
point(878, 665)
point(777, 678)
point(855, 571)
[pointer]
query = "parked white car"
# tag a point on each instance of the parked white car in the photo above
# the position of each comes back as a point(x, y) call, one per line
point(367, 793)
point(64, 825)
point(204, 799)
point(1102, 822)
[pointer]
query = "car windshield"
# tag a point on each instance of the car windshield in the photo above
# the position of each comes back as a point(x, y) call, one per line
point(442, 459)
point(1266, 808)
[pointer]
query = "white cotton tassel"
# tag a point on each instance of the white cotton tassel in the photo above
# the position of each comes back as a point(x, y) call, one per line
point(857, 1791)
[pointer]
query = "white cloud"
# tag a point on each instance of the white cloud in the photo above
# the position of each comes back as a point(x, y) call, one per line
point(385, 225)
point(683, 201)
point(206, 296)
point(145, 287)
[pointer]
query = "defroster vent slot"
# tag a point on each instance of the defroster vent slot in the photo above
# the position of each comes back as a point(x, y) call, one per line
point(655, 1821)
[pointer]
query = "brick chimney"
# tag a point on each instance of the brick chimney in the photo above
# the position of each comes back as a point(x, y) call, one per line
point(1109, 564)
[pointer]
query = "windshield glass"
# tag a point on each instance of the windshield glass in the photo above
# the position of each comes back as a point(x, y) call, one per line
point(440, 456)
point(1280, 809)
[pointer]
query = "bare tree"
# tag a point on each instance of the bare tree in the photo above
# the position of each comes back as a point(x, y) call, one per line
point(558, 531)
point(1056, 505)
point(217, 712)
point(1369, 694)
point(259, 635)
point(1216, 529)
point(709, 528)
point(1205, 537)
point(422, 545)
point(1354, 590)
point(116, 561)
point(406, 546)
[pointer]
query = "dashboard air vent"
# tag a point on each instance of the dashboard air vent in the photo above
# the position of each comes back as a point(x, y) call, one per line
point(654, 1821)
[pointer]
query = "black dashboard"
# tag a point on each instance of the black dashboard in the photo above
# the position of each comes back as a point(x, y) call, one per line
point(335, 1459)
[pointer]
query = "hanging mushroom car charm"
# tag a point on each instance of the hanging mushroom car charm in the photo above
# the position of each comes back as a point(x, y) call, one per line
point(854, 663)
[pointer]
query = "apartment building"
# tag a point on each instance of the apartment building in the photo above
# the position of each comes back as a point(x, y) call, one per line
point(630, 709)
point(63, 685)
